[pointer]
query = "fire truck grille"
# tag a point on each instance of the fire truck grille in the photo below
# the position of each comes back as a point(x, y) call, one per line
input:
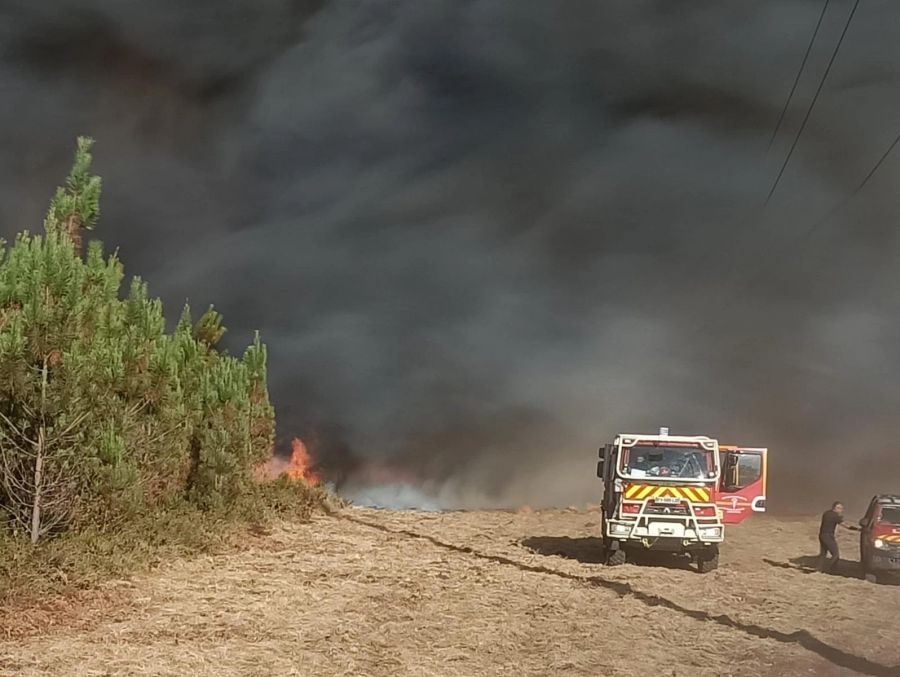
point(662, 509)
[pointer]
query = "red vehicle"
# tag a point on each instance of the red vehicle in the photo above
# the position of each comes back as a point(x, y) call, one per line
point(659, 494)
point(676, 493)
point(879, 538)
point(741, 491)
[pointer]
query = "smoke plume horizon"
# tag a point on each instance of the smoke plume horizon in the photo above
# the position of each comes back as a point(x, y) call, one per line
point(481, 239)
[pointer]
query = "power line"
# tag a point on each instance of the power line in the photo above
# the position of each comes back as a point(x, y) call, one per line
point(772, 262)
point(843, 203)
point(799, 74)
point(876, 167)
point(751, 216)
point(812, 103)
point(822, 221)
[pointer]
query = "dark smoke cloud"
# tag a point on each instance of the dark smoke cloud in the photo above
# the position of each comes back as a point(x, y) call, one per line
point(482, 237)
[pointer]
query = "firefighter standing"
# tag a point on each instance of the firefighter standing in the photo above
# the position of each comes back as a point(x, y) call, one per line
point(827, 542)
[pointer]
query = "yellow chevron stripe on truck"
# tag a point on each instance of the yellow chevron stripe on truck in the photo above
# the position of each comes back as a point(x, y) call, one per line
point(639, 492)
point(643, 492)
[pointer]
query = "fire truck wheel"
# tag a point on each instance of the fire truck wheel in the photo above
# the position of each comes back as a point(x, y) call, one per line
point(707, 561)
point(868, 575)
point(616, 558)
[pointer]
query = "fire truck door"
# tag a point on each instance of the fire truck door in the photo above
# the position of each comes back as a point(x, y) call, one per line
point(742, 489)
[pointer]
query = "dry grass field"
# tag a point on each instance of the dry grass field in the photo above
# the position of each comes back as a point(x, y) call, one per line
point(385, 593)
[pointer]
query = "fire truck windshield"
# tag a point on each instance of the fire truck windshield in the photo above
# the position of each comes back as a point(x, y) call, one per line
point(890, 514)
point(686, 463)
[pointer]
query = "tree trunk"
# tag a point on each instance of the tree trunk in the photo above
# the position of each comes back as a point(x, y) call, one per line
point(37, 500)
point(193, 476)
point(73, 230)
point(38, 488)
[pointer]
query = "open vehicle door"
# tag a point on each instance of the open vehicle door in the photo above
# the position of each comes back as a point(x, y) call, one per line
point(742, 488)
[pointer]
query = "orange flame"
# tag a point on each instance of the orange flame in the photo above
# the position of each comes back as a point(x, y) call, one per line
point(299, 467)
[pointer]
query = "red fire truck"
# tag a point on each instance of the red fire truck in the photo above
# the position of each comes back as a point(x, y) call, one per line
point(676, 493)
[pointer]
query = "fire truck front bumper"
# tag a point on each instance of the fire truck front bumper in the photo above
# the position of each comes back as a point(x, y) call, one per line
point(886, 560)
point(666, 530)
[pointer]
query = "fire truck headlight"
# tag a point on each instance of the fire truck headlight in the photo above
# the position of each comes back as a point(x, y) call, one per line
point(879, 543)
point(621, 529)
point(711, 532)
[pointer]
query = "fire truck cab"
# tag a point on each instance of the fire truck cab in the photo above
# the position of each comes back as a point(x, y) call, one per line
point(879, 538)
point(660, 493)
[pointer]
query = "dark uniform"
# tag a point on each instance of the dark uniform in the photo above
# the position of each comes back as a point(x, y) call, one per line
point(827, 541)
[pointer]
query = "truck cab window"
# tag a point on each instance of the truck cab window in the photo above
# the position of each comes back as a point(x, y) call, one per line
point(745, 470)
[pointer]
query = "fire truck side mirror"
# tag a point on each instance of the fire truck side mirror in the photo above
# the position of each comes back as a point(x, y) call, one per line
point(606, 454)
point(864, 522)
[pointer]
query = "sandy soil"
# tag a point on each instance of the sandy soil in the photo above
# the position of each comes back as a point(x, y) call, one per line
point(385, 593)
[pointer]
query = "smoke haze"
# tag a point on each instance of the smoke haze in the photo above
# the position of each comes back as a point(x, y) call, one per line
point(481, 238)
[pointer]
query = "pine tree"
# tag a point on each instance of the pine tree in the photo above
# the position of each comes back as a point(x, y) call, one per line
point(102, 413)
point(77, 206)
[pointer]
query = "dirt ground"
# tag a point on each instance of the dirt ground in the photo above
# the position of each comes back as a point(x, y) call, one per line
point(382, 593)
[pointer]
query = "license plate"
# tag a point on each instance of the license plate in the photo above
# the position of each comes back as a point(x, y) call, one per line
point(667, 500)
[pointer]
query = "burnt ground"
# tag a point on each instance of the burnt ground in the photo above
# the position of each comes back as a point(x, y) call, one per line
point(387, 593)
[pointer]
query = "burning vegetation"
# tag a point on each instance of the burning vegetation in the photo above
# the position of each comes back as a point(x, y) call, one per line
point(300, 466)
